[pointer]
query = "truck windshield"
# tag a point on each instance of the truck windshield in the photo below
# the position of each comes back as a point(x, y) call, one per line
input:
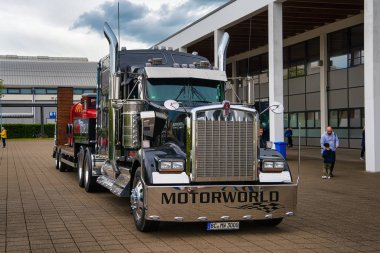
point(185, 90)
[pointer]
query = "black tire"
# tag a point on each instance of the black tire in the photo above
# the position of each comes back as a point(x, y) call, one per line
point(89, 180)
point(61, 166)
point(137, 205)
point(57, 155)
point(270, 222)
point(80, 172)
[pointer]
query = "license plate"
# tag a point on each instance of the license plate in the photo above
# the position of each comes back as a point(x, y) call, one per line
point(223, 225)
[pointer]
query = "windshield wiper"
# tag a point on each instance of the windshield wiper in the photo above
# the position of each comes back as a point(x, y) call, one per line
point(180, 92)
point(199, 95)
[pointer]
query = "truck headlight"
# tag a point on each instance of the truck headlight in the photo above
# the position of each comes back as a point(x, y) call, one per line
point(279, 165)
point(178, 166)
point(269, 166)
point(166, 166)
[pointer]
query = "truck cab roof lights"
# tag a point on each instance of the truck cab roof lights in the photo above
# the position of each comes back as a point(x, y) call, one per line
point(184, 65)
point(156, 61)
point(163, 48)
point(204, 64)
point(170, 48)
point(194, 53)
point(192, 66)
point(175, 65)
point(148, 64)
point(155, 48)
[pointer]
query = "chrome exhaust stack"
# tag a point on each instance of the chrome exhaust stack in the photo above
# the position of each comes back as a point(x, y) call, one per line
point(222, 51)
point(113, 92)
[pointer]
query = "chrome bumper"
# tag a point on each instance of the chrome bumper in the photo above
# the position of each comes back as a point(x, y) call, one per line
point(219, 202)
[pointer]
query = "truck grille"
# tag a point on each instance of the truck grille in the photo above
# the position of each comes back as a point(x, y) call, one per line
point(225, 150)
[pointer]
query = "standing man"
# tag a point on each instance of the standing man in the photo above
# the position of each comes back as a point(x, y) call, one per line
point(3, 136)
point(289, 135)
point(332, 139)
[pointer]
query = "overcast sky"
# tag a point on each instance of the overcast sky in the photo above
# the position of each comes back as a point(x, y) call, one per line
point(74, 28)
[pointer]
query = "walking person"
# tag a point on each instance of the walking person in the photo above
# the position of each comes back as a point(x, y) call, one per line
point(328, 158)
point(3, 136)
point(289, 135)
point(332, 139)
point(363, 145)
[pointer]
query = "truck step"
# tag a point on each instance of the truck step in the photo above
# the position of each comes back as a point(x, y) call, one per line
point(111, 184)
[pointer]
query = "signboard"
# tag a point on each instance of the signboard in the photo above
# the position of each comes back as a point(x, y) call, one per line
point(52, 115)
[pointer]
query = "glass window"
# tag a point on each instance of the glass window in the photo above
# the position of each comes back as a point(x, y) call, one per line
point(26, 91)
point(185, 90)
point(78, 91)
point(343, 118)
point(333, 119)
point(297, 52)
point(357, 36)
point(89, 91)
point(286, 120)
point(301, 119)
point(293, 120)
point(293, 71)
point(242, 67)
point(317, 120)
point(338, 62)
point(51, 91)
point(300, 69)
point(13, 91)
point(355, 117)
point(312, 47)
point(313, 67)
point(310, 119)
point(356, 56)
point(285, 73)
point(40, 91)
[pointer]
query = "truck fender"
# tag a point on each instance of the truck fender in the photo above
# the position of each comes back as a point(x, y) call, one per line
point(151, 155)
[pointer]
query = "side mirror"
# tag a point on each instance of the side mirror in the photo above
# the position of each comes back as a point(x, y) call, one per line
point(171, 105)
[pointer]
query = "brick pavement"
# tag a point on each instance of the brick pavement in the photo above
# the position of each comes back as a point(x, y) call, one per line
point(44, 210)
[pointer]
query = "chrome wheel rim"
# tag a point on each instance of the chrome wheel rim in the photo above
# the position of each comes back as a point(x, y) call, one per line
point(137, 199)
point(86, 173)
point(80, 166)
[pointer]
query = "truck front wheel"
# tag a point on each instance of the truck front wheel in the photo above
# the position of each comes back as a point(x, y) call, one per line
point(80, 157)
point(89, 180)
point(61, 165)
point(137, 204)
point(57, 157)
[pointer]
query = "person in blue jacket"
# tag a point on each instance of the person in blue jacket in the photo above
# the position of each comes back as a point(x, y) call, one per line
point(289, 136)
point(332, 139)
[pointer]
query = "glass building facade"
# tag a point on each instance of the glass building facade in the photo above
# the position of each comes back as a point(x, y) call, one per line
point(345, 88)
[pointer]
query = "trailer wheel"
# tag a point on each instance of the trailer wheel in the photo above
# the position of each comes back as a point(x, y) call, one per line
point(57, 157)
point(61, 166)
point(270, 223)
point(89, 180)
point(80, 156)
point(137, 204)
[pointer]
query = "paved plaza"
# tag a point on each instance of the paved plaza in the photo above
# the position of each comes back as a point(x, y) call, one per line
point(44, 210)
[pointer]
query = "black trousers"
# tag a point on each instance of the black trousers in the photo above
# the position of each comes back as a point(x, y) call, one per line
point(290, 141)
point(4, 144)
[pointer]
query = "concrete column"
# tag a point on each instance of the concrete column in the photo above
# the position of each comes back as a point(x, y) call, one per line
point(276, 83)
point(218, 34)
point(371, 83)
point(323, 81)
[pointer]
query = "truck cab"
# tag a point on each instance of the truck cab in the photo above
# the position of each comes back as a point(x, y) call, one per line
point(167, 139)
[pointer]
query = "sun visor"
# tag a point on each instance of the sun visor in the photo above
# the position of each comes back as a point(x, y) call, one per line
point(170, 72)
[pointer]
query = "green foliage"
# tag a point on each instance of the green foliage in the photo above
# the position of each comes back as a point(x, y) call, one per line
point(28, 130)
